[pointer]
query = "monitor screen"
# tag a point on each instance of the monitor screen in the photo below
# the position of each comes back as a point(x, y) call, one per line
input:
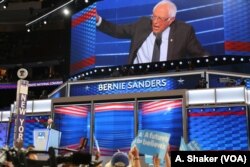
point(219, 128)
point(217, 28)
point(114, 126)
point(73, 121)
point(164, 115)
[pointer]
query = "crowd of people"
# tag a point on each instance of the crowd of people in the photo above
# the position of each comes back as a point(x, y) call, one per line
point(119, 159)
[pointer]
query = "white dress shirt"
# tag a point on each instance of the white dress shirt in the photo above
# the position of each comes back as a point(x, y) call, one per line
point(145, 52)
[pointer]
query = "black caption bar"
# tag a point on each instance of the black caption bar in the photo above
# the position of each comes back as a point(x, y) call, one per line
point(210, 158)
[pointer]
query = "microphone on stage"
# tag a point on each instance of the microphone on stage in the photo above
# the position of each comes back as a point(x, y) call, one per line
point(37, 119)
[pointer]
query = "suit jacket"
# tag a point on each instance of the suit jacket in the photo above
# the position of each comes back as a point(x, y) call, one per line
point(182, 39)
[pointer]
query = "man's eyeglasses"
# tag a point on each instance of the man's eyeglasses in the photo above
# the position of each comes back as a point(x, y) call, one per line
point(161, 19)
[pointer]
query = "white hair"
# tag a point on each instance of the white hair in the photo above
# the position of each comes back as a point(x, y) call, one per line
point(172, 10)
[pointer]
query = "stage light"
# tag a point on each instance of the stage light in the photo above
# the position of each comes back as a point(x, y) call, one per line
point(28, 30)
point(224, 58)
point(44, 22)
point(241, 59)
point(95, 71)
point(163, 64)
point(110, 69)
point(5, 4)
point(207, 60)
point(45, 15)
point(83, 75)
point(91, 72)
point(117, 69)
point(102, 70)
point(140, 67)
point(148, 66)
point(132, 67)
point(233, 59)
point(86, 1)
point(180, 62)
point(198, 61)
point(216, 59)
point(66, 12)
point(156, 65)
point(171, 63)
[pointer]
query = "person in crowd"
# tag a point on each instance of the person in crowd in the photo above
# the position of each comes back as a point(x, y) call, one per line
point(135, 157)
point(159, 38)
point(32, 156)
point(119, 159)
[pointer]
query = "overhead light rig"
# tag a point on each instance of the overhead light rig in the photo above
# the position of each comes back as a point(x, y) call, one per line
point(67, 7)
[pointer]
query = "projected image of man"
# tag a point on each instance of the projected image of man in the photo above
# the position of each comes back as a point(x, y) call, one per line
point(157, 38)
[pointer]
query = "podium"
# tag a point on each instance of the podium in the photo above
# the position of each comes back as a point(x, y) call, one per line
point(45, 138)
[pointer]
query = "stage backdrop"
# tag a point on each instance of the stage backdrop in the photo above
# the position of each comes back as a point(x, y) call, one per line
point(74, 123)
point(163, 115)
point(114, 126)
point(219, 128)
point(3, 133)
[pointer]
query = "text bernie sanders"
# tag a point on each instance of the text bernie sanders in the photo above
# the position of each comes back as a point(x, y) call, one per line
point(132, 85)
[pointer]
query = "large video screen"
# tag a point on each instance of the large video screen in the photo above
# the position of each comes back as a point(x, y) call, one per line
point(114, 126)
point(83, 33)
point(219, 128)
point(73, 121)
point(31, 123)
point(216, 23)
point(163, 115)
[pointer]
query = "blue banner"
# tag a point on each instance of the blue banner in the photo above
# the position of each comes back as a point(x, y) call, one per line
point(152, 143)
point(135, 85)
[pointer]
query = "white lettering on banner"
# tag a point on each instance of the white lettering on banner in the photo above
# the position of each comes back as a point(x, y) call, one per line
point(45, 83)
point(20, 129)
point(132, 85)
point(152, 143)
point(22, 111)
point(111, 86)
point(20, 136)
point(21, 122)
point(158, 137)
point(23, 97)
point(22, 91)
